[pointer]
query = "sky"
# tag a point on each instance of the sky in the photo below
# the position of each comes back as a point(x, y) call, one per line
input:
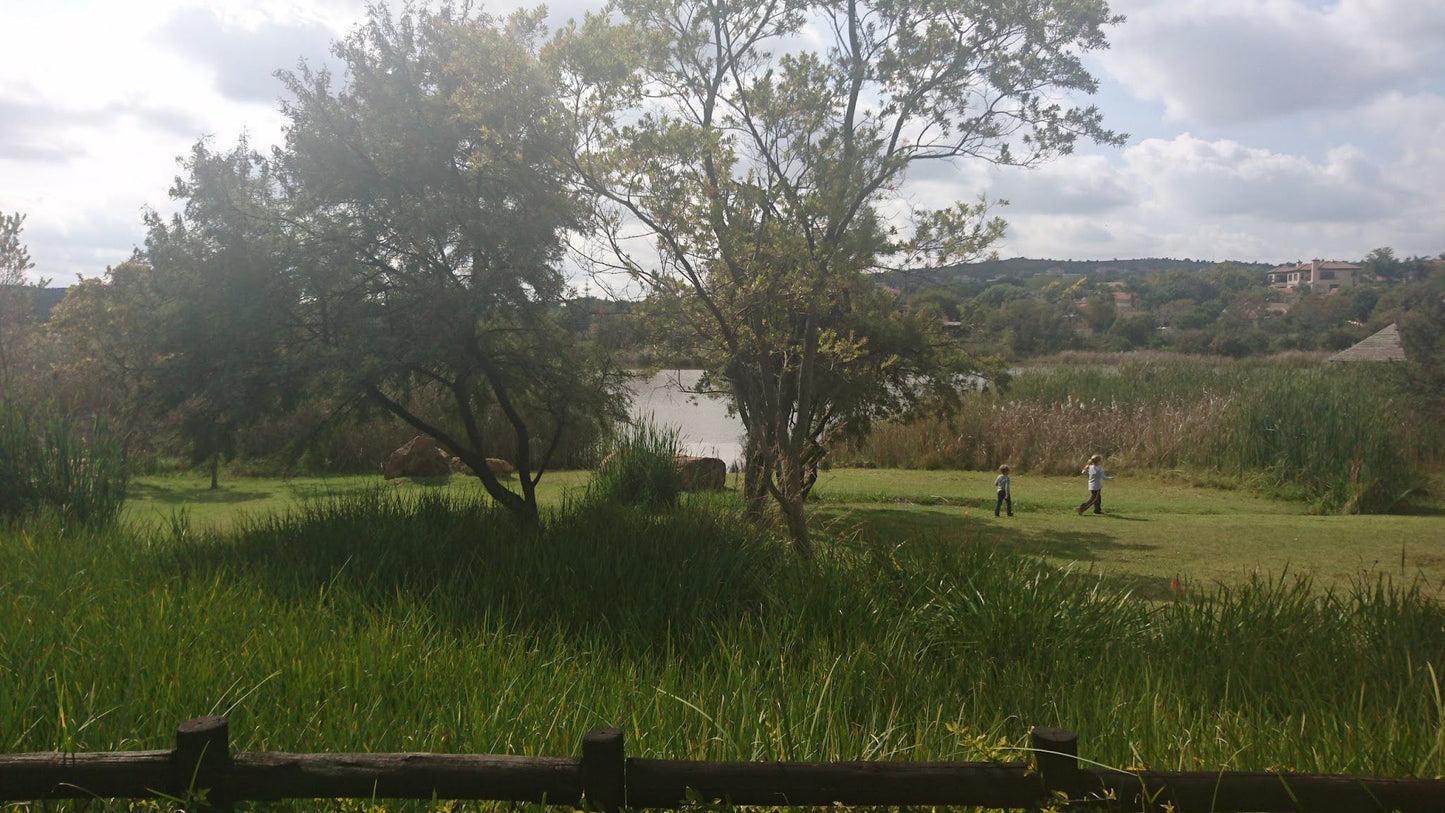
point(1259, 130)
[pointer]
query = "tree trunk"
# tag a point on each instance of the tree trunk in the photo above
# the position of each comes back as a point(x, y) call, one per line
point(790, 495)
point(215, 470)
point(755, 481)
point(797, 519)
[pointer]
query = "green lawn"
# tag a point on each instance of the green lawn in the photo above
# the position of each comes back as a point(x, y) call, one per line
point(1154, 530)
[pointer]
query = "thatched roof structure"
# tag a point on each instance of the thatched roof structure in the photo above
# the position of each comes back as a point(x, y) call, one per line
point(1382, 346)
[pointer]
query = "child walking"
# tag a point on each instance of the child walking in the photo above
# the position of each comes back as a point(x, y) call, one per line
point(1005, 493)
point(1096, 485)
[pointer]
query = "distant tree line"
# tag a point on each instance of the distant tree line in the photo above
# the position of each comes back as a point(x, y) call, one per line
point(1226, 309)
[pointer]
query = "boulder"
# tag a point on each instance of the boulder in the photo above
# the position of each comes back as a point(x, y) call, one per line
point(499, 467)
point(418, 457)
point(702, 473)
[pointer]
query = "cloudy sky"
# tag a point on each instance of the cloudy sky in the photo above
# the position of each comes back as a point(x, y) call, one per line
point(1263, 130)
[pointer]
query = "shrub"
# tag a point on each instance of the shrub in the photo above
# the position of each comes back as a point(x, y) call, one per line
point(56, 463)
point(640, 468)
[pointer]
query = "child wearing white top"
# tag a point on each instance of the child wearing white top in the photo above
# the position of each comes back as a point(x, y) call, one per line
point(1096, 485)
point(1005, 493)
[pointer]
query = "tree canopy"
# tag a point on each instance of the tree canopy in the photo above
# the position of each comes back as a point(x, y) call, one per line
point(748, 158)
point(17, 296)
point(403, 247)
point(430, 206)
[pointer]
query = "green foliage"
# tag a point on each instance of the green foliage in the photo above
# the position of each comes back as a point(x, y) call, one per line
point(639, 468)
point(51, 462)
point(766, 172)
point(435, 214)
point(1342, 437)
point(220, 279)
point(345, 626)
point(14, 256)
point(17, 299)
point(1336, 436)
point(1422, 336)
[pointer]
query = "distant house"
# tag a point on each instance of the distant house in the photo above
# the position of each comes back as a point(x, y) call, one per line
point(1322, 277)
point(1123, 299)
point(1382, 346)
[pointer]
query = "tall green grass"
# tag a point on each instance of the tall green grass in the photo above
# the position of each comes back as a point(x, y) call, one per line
point(639, 467)
point(385, 623)
point(50, 461)
point(1336, 436)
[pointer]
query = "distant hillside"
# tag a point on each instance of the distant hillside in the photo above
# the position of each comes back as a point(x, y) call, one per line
point(1023, 267)
point(45, 299)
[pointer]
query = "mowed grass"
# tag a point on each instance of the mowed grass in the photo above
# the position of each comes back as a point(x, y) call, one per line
point(1155, 530)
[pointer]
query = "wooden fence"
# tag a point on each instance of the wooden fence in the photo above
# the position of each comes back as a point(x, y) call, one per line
point(202, 768)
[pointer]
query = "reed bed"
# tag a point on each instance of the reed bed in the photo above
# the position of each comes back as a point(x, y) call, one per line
point(1337, 437)
point(52, 462)
point(382, 624)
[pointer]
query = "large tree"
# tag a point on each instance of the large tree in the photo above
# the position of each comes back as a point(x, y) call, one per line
point(17, 298)
point(759, 149)
point(223, 324)
point(107, 340)
point(430, 206)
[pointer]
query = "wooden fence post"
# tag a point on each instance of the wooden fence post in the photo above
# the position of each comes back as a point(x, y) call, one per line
point(1056, 754)
point(604, 770)
point(202, 759)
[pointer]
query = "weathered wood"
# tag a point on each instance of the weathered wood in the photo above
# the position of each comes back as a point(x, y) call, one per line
point(604, 770)
point(273, 775)
point(1056, 753)
point(1260, 792)
point(59, 775)
point(201, 761)
point(666, 783)
point(653, 783)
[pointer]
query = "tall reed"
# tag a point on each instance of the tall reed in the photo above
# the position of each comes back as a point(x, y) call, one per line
point(1334, 436)
point(50, 461)
point(639, 467)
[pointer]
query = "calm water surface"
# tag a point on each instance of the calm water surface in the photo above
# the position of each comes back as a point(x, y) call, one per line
point(703, 424)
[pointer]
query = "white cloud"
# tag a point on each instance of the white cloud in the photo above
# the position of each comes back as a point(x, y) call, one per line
point(243, 56)
point(1314, 127)
point(1216, 62)
point(97, 100)
point(1188, 197)
point(1223, 178)
point(1086, 184)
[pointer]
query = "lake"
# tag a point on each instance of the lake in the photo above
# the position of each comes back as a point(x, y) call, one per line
point(703, 424)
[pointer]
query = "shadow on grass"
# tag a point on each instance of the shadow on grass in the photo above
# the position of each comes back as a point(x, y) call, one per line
point(1084, 545)
point(885, 522)
point(177, 496)
point(644, 582)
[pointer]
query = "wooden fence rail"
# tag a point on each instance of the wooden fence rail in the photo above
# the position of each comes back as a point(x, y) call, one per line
point(201, 766)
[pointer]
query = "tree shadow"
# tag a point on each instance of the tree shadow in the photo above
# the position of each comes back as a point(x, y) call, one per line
point(888, 522)
point(170, 496)
point(641, 582)
point(1115, 517)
